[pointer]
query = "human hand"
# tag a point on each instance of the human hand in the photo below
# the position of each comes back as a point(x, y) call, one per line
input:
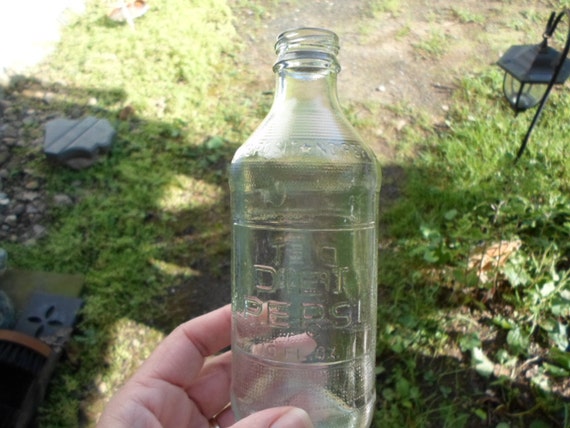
point(182, 384)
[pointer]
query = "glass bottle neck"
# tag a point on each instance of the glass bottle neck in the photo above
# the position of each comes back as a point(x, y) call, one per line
point(306, 85)
point(306, 68)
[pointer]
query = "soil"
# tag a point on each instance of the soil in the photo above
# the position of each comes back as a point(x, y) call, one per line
point(387, 57)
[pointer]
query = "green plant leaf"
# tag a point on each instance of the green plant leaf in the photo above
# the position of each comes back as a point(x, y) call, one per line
point(515, 273)
point(482, 365)
point(504, 358)
point(556, 371)
point(542, 381)
point(518, 341)
point(547, 289)
point(215, 143)
point(388, 394)
point(502, 322)
point(481, 414)
point(429, 233)
point(469, 342)
point(560, 306)
point(430, 256)
point(561, 358)
point(451, 214)
point(559, 336)
point(539, 424)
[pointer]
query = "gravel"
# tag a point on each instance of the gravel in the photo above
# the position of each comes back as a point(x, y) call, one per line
point(23, 196)
point(30, 31)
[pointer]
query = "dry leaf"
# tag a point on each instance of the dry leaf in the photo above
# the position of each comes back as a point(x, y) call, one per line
point(128, 12)
point(127, 112)
point(487, 259)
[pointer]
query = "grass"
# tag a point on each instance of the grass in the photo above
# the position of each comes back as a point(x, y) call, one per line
point(386, 6)
point(433, 45)
point(462, 195)
point(462, 343)
point(466, 16)
point(152, 217)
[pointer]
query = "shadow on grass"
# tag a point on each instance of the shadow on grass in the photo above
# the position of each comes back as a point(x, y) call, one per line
point(149, 229)
point(159, 257)
point(443, 392)
point(437, 314)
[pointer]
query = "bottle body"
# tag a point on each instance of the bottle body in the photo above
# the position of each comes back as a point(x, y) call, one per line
point(304, 194)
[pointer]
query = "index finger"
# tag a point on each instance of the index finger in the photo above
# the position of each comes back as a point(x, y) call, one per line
point(179, 358)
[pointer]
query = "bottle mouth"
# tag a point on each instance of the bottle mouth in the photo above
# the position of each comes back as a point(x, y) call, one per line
point(307, 45)
point(307, 39)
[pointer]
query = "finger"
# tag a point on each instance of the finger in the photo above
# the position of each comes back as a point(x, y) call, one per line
point(279, 417)
point(211, 390)
point(179, 358)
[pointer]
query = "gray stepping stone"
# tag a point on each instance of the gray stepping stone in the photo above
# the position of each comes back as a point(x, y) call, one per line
point(77, 143)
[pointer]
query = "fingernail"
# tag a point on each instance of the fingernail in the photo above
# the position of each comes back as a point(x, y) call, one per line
point(294, 418)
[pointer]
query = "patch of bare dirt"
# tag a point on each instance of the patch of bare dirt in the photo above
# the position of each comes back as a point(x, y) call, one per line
point(412, 56)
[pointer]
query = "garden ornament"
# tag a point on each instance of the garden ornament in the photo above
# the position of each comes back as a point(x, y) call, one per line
point(532, 70)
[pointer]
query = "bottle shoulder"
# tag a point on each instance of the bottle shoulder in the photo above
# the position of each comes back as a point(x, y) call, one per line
point(315, 136)
point(305, 150)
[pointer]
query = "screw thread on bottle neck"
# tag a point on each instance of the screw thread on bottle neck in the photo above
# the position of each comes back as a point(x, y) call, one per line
point(307, 49)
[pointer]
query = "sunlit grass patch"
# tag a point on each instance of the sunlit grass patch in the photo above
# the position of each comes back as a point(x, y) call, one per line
point(185, 193)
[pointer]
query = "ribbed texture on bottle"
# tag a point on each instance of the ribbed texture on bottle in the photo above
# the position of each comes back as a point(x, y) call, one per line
point(317, 125)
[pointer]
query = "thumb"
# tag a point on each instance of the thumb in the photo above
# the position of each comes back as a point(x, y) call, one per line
point(279, 417)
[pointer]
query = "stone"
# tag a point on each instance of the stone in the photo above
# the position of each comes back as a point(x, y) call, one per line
point(62, 200)
point(50, 97)
point(32, 185)
point(39, 230)
point(4, 202)
point(11, 220)
point(4, 156)
point(19, 209)
point(31, 209)
point(29, 121)
point(4, 105)
point(28, 196)
point(77, 143)
point(8, 131)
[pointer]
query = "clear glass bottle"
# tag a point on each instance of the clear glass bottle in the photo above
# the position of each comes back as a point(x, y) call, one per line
point(304, 195)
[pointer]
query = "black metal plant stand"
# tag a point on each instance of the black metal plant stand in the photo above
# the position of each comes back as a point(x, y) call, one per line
point(530, 66)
